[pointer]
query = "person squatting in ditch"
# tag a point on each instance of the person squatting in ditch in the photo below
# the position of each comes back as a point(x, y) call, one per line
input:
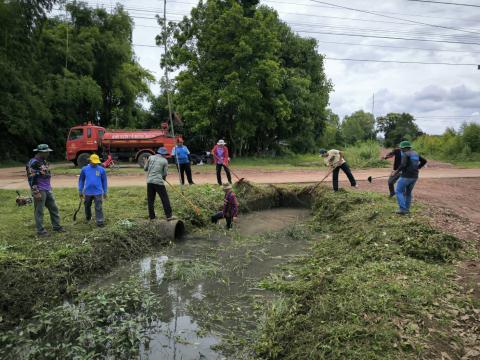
point(156, 167)
point(221, 158)
point(92, 185)
point(230, 207)
point(39, 179)
point(334, 159)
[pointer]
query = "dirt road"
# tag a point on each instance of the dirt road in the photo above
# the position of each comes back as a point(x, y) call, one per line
point(14, 178)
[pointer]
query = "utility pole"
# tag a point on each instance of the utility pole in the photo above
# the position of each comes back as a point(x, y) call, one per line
point(165, 49)
point(373, 105)
point(169, 100)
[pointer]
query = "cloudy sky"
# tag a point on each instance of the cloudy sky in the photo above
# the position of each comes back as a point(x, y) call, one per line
point(438, 95)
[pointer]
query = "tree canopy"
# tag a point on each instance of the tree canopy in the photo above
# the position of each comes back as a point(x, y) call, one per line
point(47, 86)
point(397, 127)
point(359, 126)
point(246, 77)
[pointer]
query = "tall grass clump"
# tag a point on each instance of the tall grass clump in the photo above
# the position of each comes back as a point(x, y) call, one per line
point(364, 154)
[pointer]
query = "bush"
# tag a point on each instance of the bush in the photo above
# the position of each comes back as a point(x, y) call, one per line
point(461, 146)
point(364, 155)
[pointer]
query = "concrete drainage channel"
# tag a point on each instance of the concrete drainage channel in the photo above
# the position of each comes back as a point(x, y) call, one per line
point(208, 283)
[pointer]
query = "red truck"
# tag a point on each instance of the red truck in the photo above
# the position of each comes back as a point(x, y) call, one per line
point(136, 145)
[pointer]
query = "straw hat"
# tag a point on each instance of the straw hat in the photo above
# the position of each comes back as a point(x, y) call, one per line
point(221, 142)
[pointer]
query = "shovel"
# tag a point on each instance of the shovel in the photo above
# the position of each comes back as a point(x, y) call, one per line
point(369, 179)
point(78, 209)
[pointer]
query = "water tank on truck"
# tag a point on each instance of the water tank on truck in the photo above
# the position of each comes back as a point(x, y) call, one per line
point(138, 145)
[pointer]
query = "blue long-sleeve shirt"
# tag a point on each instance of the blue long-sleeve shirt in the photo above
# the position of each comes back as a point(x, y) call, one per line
point(93, 180)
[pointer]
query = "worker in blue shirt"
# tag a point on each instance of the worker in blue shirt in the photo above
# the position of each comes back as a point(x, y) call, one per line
point(181, 155)
point(92, 185)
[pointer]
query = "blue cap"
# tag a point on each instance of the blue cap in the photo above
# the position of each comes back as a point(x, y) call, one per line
point(323, 151)
point(162, 151)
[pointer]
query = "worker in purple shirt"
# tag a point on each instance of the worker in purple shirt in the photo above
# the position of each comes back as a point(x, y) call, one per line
point(92, 185)
point(230, 207)
point(39, 176)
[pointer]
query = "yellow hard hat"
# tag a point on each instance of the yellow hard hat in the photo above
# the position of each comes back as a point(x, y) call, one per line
point(94, 159)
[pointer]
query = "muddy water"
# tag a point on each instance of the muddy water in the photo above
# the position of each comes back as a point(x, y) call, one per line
point(201, 312)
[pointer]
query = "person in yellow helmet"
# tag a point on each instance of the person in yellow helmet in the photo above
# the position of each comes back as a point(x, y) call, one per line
point(92, 185)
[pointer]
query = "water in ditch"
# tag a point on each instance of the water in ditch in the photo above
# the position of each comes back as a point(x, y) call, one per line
point(209, 284)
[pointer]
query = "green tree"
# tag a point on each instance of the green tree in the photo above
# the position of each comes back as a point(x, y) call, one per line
point(245, 76)
point(397, 127)
point(471, 136)
point(360, 126)
point(332, 133)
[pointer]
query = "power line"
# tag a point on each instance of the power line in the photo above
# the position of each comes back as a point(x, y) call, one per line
point(446, 3)
point(390, 37)
point(401, 62)
point(395, 18)
point(398, 47)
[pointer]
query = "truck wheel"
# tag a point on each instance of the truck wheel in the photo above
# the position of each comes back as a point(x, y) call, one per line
point(142, 158)
point(82, 159)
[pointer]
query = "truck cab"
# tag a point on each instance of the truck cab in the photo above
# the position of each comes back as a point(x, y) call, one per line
point(82, 141)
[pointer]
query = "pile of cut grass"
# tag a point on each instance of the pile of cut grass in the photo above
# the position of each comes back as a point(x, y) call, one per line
point(374, 286)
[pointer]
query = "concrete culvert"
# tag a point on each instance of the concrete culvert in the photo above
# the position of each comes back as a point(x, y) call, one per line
point(170, 230)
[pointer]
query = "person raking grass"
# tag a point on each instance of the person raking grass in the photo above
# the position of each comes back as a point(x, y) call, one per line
point(93, 187)
point(181, 155)
point(222, 159)
point(39, 179)
point(230, 207)
point(408, 171)
point(156, 167)
point(335, 160)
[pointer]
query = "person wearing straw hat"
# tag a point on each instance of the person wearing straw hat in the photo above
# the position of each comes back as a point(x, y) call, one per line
point(408, 170)
point(230, 207)
point(39, 179)
point(156, 167)
point(334, 159)
point(221, 158)
point(92, 185)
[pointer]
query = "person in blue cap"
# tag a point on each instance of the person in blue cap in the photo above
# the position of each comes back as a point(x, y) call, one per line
point(408, 170)
point(181, 154)
point(156, 167)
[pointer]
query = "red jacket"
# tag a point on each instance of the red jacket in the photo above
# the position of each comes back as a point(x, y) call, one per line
point(225, 155)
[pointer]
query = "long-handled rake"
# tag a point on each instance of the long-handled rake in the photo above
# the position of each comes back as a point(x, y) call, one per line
point(370, 178)
point(234, 174)
point(78, 209)
point(194, 207)
point(321, 181)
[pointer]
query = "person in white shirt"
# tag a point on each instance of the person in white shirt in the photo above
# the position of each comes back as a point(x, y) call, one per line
point(335, 160)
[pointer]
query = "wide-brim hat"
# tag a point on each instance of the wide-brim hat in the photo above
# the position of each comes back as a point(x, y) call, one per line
point(162, 151)
point(405, 144)
point(227, 186)
point(221, 142)
point(95, 159)
point(42, 148)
